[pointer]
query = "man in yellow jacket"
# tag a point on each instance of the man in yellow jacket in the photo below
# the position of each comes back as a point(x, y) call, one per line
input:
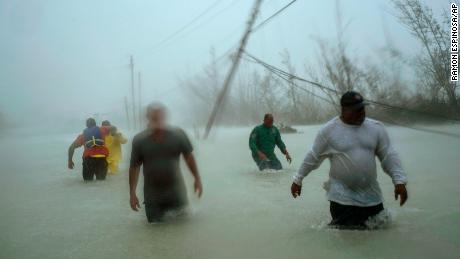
point(113, 142)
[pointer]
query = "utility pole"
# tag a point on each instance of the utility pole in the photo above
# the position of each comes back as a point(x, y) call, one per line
point(139, 99)
point(231, 73)
point(127, 112)
point(131, 66)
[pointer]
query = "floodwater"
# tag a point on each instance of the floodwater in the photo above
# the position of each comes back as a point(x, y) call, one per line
point(48, 212)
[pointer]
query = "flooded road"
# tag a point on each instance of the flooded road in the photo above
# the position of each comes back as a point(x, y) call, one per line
point(47, 211)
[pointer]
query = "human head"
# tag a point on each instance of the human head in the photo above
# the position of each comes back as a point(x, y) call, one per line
point(353, 108)
point(113, 130)
point(268, 120)
point(90, 122)
point(156, 115)
point(106, 123)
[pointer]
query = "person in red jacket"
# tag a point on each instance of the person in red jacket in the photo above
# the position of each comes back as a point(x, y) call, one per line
point(95, 151)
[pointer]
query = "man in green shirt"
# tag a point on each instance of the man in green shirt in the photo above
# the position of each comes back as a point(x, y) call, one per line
point(262, 143)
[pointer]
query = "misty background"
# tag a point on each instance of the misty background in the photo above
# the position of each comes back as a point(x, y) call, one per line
point(65, 61)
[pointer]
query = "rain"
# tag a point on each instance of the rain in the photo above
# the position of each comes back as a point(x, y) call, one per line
point(193, 86)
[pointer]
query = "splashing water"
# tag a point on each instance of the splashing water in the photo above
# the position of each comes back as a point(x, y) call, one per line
point(382, 220)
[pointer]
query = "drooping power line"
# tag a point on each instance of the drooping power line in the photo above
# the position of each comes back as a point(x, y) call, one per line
point(288, 77)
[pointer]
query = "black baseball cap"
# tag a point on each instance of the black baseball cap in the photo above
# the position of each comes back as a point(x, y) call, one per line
point(352, 99)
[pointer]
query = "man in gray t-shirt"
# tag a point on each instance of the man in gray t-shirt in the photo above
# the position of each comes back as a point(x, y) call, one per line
point(351, 142)
point(158, 149)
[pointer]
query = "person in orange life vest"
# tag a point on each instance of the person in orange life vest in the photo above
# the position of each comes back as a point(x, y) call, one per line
point(95, 152)
point(113, 142)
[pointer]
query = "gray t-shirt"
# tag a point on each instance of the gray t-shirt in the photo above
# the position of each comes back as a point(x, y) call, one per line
point(163, 181)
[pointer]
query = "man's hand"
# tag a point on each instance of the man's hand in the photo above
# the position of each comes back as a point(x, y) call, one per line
point(295, 190)
point(70, 164)
point(198, 188)
point(262, 156)
point(191, 164)
point(134, 202)
point(288, 157)
point(400, 190)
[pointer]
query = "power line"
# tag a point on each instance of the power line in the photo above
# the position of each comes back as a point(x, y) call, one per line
point(206, 11)
point(212, 17)
point(182, 32)
point(174, 34)
point(283, 75)
point(273, 68)
point(260, 25)
point(287, 79)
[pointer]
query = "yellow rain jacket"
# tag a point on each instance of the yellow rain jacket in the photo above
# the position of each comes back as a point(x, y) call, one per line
point(113, 144)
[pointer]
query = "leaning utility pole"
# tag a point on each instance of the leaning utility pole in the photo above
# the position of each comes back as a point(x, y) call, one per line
point(127, 112)
point(231, 73)
point(139, 99)
point(131, 66)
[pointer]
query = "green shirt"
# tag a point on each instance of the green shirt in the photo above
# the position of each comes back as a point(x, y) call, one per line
point(264, 139)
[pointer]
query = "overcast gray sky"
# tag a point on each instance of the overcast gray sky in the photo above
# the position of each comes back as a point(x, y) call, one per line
point(70, 58)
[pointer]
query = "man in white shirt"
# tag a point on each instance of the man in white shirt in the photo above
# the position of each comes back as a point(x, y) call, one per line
point(351, 143)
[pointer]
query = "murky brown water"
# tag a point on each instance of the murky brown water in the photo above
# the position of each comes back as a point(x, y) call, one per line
point(48, 212)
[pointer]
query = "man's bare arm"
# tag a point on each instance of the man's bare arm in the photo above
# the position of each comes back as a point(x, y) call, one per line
point(70, 153)
point(133, 179)
point(191, 164)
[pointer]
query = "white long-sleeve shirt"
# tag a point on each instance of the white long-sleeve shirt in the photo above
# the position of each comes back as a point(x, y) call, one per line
point(351, 150)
